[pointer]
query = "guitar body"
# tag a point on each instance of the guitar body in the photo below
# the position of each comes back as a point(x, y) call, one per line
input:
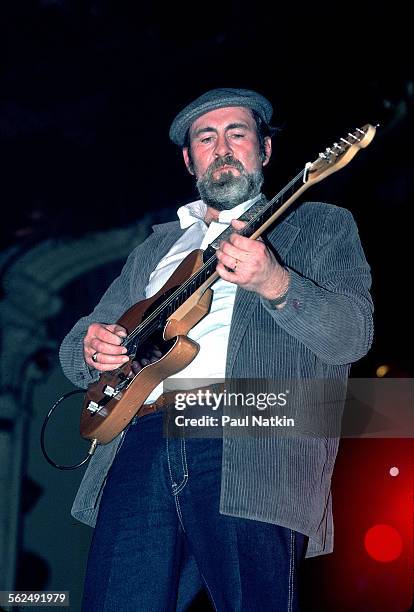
point(104, 415)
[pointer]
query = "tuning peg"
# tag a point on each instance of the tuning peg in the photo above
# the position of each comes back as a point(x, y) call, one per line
point(354, 137)
point(336, 146)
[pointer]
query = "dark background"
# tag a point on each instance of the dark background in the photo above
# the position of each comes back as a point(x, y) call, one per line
point(88, 90)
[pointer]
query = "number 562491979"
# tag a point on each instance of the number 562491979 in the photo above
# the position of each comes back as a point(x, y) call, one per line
point(34, 598)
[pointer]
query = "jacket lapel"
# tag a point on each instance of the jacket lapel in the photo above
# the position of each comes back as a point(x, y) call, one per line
point(282, 239)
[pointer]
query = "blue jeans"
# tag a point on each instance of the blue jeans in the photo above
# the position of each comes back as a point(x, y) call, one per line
point(160, 538)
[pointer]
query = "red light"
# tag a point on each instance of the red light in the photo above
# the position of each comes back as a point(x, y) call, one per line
point(383, 543)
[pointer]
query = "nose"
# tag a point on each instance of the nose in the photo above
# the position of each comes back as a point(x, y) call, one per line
point(223, 147)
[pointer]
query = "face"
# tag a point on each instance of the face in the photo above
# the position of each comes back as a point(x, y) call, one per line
point(225, 158)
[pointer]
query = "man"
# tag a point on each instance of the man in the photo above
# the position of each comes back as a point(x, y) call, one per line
point(233, 514)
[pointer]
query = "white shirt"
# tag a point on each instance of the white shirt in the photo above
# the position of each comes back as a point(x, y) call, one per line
point(212, 332)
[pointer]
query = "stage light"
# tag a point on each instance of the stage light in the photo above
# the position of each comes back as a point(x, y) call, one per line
point(383, 543)
point(382, 370)
point(373, 510)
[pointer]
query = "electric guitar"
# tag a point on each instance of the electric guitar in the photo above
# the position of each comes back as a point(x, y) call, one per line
point(165, 318)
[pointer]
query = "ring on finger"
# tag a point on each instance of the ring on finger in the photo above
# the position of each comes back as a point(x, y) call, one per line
point(95, 357)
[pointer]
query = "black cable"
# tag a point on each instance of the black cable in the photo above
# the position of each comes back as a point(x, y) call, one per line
point(42, 437)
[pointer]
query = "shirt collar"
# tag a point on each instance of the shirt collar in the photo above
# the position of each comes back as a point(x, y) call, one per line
point(191, 213)
point(196, 211)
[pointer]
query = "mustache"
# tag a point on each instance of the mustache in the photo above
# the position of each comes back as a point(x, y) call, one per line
point(228, 160)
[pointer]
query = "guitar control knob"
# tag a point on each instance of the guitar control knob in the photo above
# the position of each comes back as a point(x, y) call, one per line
point(108, 390)
point(93, 407)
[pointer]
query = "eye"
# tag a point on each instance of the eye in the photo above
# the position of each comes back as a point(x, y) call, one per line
point(206, 139)
point(237, 136)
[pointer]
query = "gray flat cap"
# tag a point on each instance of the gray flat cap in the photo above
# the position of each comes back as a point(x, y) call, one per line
point(218, 98)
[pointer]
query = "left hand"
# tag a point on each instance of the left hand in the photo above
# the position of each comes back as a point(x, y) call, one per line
point(251, 265)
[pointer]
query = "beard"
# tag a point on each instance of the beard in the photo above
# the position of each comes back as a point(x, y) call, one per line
point(228, 190)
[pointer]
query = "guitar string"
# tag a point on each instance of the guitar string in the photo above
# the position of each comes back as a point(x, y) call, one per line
point(208, 263)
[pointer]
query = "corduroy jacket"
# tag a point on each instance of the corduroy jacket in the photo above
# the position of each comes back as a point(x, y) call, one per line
point(325, 325)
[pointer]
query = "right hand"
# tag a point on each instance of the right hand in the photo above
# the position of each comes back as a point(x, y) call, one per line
point(105, 340)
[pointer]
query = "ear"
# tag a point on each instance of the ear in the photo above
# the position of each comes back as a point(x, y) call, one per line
point(267, 150)
point(187, 160)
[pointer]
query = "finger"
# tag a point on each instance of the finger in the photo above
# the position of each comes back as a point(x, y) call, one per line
point(114, 360)
point(135, 366)
point(105, 342)
point(97, 346)
point(242, 242)
point(229, 249)
point(117, 329)
point(101, 330)
point(153, 351)
point(237, 224)
point(225, 274)
point(252, 249)
point(106, 367)
point(228, 260)
point(109, 336)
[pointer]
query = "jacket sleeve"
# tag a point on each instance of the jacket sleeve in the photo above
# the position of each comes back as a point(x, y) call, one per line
point(330, 309)
point(125, 291)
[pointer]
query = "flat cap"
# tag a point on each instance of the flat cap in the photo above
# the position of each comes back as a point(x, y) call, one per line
point(218, 98)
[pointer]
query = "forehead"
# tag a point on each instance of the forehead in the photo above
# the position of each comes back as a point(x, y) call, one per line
point(223, 117)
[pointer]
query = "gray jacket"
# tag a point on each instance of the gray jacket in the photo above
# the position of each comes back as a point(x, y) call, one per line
point(325, 325)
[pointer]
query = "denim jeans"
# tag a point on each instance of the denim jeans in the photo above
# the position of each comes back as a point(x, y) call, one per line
point(160, 538)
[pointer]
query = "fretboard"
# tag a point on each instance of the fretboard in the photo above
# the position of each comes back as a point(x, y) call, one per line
point(255, 216)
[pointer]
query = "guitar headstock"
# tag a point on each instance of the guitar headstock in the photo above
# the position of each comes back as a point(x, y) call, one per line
point(340, 154)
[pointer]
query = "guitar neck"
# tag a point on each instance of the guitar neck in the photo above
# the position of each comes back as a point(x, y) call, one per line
point(261, 214)
point(258, 217)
